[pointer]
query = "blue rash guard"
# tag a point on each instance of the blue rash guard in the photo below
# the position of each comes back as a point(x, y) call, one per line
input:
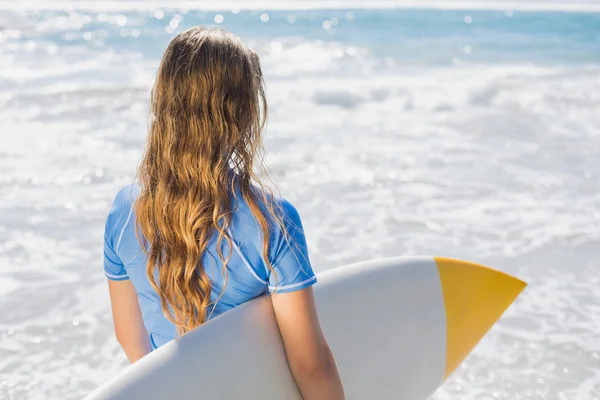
point(248, 275)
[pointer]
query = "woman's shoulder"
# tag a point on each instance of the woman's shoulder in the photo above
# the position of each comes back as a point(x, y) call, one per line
point(126, 196)
point(278, 211)
point(122, 206)
point(286, 211)
point(273, 203)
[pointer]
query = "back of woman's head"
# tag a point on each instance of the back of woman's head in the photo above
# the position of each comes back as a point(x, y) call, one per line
point(208, 109)
point(207, 102)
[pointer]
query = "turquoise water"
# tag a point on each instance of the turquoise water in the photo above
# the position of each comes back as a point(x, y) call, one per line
point(466, 133)
point(413, 34)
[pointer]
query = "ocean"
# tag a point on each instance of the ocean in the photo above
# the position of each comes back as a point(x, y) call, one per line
point(468, 130)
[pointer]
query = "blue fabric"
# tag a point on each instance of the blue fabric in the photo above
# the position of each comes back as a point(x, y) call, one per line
point(248, 275)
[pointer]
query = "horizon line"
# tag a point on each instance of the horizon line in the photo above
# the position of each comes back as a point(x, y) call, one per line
point(114, 5)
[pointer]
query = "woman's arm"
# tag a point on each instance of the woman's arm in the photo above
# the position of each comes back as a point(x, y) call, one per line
point(308, 353)
point(127, 316)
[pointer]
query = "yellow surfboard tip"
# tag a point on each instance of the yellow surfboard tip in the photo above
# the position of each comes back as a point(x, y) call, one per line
point(475, 297)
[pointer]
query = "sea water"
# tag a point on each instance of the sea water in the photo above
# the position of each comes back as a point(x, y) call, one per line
point(470, 131)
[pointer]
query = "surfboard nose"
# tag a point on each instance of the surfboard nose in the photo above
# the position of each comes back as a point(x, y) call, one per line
point(474, 297)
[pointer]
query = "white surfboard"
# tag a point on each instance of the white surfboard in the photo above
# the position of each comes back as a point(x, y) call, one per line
point(398, 327)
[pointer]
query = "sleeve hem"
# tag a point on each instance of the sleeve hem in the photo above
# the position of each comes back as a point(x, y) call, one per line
point(294, 286)
point(116, 277)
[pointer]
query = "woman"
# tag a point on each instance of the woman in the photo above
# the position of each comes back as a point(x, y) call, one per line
point(198, 234)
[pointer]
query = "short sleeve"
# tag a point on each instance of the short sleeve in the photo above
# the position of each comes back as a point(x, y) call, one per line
point(113, 267)
point(289, 258)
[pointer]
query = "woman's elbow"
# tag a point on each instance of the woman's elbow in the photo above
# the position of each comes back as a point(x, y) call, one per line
point(321, 373)
point(120, 339)
point(123, 337)
point(323, 369)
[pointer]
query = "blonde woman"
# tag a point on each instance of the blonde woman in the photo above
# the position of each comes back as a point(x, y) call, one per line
point(198, 234)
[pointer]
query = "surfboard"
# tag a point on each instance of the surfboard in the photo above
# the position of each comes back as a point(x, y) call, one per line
point(398, 328)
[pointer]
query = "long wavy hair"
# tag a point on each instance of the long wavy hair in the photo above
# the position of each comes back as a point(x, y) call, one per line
point(207, 113)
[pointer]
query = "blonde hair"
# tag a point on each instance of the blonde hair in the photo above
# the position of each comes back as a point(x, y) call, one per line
point(208, 110)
